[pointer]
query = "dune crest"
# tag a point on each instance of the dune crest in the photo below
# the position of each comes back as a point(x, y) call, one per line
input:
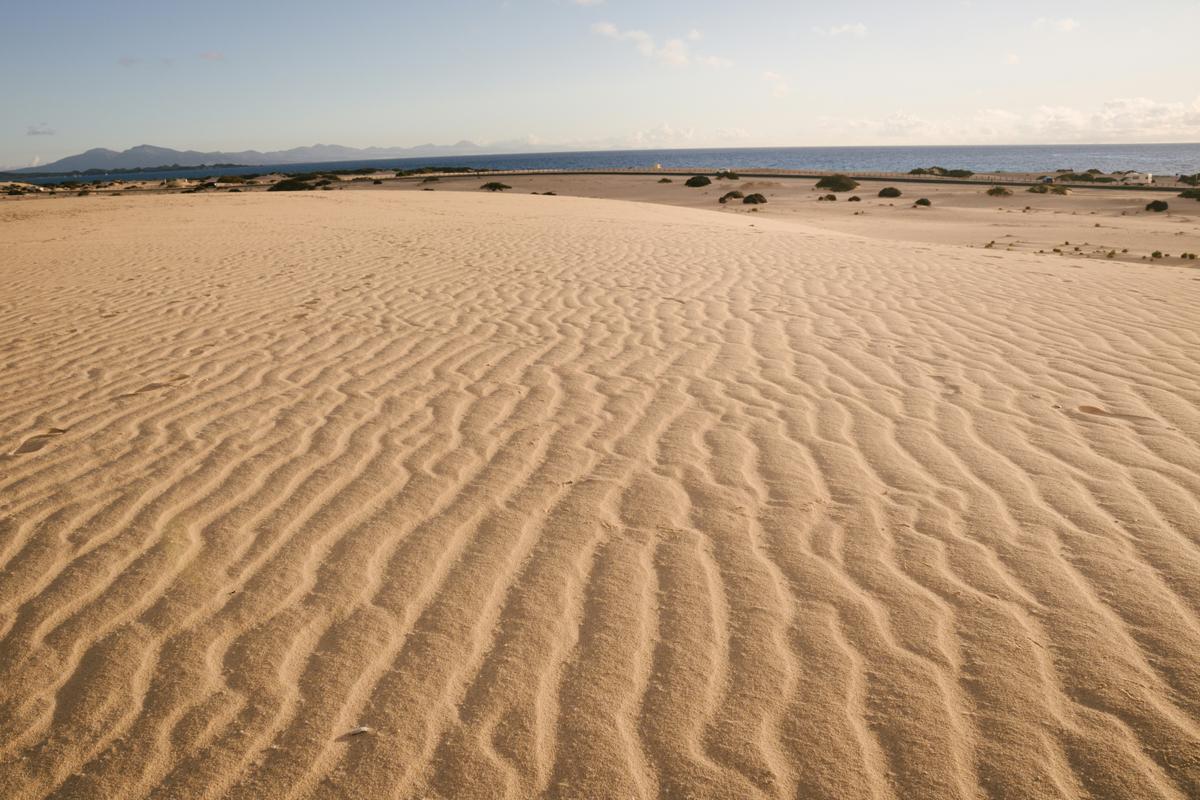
point(453, 495)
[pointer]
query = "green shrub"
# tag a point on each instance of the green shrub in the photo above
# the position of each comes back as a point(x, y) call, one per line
point(696, 181)
point(889, 191)
point(827, 197)
point(1190, 180)
point(1040, 188)
point(1157, 206)
point(495, 186)
point(924, 201)
point(665, 180)
point(999, 191)
point(231, 179)
point(734, 195)
point(754, 199)
point(1156, 254)
point(290, 185)
point(377, 182)
point(918, 171)
point(854, 199)
point(837, 183)
point(727, 175)
point(1192, 194)
point(1059, 190)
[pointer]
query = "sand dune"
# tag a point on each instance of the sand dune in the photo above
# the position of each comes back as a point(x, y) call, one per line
point(579, 498)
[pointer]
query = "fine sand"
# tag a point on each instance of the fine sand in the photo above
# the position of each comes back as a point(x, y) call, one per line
point(374, 494)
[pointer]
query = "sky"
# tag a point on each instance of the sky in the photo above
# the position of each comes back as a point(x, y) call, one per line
point(592, 74)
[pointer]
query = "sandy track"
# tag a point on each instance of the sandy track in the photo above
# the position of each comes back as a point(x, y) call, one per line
point(581, 498)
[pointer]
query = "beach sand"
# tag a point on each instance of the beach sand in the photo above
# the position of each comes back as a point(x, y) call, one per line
point(374, 494)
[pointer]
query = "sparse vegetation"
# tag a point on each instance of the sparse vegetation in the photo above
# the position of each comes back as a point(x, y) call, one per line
point(696, 181)
point(1040, 188)
point(727, 175)
point(665, 180)
point(1156, 254)
point(837, 183)
point(1192, 194)
point(942, 172)
point(231, 179)
point(734, 195)
point(291, 185)
point(999, 191)
point(754, 199)
point(430, 179)
point(376, 182)
point(495, 186)
point(854, 199)
point(827, 197)
point(1086, 177)
point(924, 201)
point(1059, 190)
point(1157, 206)
point(1190, 180)
point(889, 191)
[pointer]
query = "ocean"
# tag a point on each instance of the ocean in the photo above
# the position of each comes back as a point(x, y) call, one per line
point(1159, 159)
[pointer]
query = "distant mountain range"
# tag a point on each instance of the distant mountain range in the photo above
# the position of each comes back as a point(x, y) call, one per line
point(146, 155)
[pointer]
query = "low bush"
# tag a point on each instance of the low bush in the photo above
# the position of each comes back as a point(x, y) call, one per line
point(999, 191)
point(942, 172)
point(1040, 188)
point(665, 180)
point(1192, 194)
point(495, 186)
point(827, 197)
point(924, 201)
point(1059, 190)
point(889, 191)
point(727, 175)
point(696, 181)
point(1156, 254)
point(231, 179)
point(754, 199)
point(837, 183)
point(1157, 206)
point(854, 199)
point(376, 183)
point(430, 179)
point(235, 189)
point(290, 185)
point(734, 195)
point(1190, 180)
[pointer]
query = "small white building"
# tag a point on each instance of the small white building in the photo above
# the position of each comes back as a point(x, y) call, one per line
point(1137, 179)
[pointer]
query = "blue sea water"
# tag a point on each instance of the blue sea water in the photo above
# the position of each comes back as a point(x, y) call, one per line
point(1160, 159)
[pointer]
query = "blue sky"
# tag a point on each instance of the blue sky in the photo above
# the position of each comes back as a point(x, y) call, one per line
point(267, 74)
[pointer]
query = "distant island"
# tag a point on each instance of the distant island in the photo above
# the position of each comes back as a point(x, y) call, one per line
point(147, 157)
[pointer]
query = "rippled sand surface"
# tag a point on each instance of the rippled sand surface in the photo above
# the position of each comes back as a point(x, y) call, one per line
point(456, 495)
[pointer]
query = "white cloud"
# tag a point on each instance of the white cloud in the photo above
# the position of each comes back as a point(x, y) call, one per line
point(779, 84)
point(41, 129)
point(1065, 25)
point(855, 29)
point(676, 52)
point(1135, 119)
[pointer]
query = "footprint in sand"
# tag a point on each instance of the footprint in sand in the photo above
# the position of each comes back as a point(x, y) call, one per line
point(35, 443)
point(150, 387)
point(1100, 412)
